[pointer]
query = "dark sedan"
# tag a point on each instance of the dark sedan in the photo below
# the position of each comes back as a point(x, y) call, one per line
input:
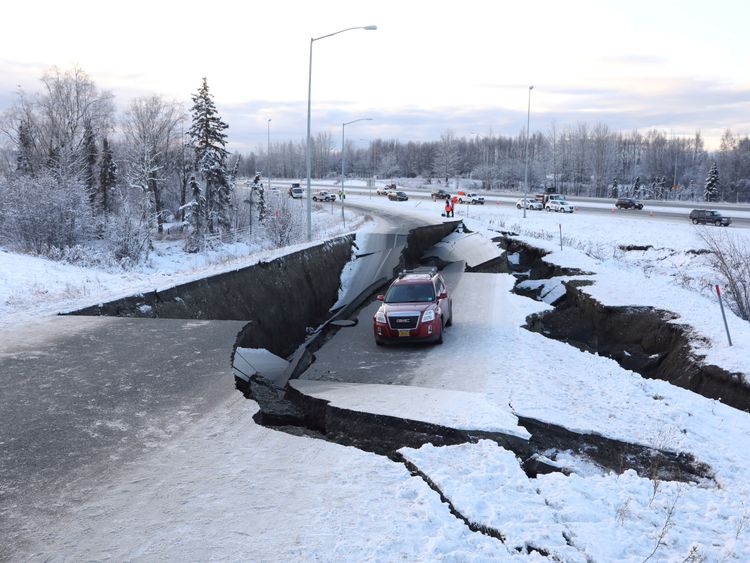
point(398, 196)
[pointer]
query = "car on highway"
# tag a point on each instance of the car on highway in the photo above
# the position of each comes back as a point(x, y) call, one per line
point(416, 308)
point(296, 191)
point(385, 190)
point(324, 196)
point(471, 198)
point(628, 203)
point(529, 203)
point(440, 194)
point(398, 196)
point(705, 216)
point(560, 206)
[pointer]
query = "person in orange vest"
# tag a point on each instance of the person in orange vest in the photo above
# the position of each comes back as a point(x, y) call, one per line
point(448, 207)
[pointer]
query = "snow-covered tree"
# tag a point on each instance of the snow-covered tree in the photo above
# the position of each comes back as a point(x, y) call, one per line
point(711, 189)
point(208, 140)
point(258, 187)
point(196, 215)
point(637, 187)
point(107, 179)
point(25, 154)
point(446, 157)
point(151, 128)
point(90, 157)
point(69, 106)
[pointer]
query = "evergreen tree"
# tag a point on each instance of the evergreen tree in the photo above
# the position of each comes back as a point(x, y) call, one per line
point(25, 148)
point(257, 186)
point(107, 178)
point(614, 188)
point(711, 190)
point(637, 187)
point(90, 157)
point(196, 217)
point(208, 140)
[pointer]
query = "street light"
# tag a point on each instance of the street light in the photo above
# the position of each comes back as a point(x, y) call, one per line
point(526, 173)
point(268, 154)
point(309, 140)
point(343, 150)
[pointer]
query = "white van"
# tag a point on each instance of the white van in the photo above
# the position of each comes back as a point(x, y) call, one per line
point(296, 191)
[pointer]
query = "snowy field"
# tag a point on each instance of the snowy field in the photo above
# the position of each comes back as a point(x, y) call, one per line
point(228, 489)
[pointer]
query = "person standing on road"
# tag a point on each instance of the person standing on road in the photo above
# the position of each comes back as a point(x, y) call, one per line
point(448, 207)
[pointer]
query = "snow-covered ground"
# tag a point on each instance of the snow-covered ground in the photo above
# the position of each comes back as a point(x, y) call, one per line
point(229, 489)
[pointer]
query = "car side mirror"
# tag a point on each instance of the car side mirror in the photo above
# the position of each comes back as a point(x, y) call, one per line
point(380, 298)
point(443, 295)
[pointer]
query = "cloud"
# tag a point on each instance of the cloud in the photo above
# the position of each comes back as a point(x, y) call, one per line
point(680, 106)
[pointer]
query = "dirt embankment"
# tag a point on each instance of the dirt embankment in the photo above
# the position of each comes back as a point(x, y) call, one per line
point(641, 339)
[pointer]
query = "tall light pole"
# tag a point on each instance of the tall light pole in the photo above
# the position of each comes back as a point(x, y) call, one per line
point(343, 150)
point(268, 154)
point(309, 140)
point(526, 173)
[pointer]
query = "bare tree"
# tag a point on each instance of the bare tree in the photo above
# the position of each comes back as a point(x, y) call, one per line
point(730, 257)
point(151, 127)
point(70, 102)
point(446, 156)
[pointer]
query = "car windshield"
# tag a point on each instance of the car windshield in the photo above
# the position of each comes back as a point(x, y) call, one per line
point(410, 293)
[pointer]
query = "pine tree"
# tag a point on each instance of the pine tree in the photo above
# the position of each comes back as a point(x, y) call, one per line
point(208, 140)
point(614, 188)
point(107, 177)
point(637, 187)
point(257, 186)
point(196, 217)
point(25, 148)
point(711, 190)
point(90, 157)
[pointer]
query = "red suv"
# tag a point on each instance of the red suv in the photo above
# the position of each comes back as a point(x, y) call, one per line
point(415, 308)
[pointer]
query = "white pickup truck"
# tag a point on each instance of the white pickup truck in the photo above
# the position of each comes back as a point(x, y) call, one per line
point(470, 197)
point(388, 189)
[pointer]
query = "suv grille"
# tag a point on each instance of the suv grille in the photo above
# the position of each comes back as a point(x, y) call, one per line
point(403, 321)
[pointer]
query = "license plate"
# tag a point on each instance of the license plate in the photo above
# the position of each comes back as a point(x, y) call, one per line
point(402, 332)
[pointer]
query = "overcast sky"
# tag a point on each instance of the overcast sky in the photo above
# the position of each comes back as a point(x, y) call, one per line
point(430, 67)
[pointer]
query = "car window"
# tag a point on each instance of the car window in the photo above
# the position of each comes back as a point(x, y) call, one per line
point(439, 287)
point(410, 293)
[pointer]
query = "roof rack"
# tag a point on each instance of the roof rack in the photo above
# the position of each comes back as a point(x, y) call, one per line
point(431, 270)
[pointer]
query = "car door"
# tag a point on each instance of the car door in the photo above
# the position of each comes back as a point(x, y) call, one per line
point(445, 304)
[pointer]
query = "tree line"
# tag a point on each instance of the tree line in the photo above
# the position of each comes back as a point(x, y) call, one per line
point(583, 160)
point(74, 173)
point(78, 180)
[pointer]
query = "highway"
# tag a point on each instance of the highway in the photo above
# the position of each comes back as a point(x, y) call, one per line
point(660, 210)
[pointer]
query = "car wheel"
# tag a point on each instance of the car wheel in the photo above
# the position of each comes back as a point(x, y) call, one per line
point(378, 342)
point(640, 207)
point(548, 210)
point(717, 223)
point(440, 337)
point(450, 319)
point(695, 221)
point(518, 206)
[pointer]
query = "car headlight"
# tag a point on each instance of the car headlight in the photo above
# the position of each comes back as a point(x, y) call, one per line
point(380, 317)
point(428, 316)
